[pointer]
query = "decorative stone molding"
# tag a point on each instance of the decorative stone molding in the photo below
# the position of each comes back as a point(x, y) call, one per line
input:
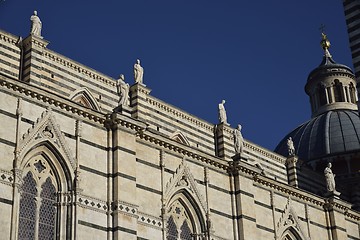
point(125, 208)
point(45, 129)
point(91, 203)
point(50, 99)
point(181, 149)
point(90, 100)
point(180, 137)
point(289, 220)
point(114, 120)
point(183, 179)
point(288, 190)
point(179, 114)
point(79, 68)
point(264, 152)
point(36, 41)
point(6, 177)
point(8, 38)
point(149, 220)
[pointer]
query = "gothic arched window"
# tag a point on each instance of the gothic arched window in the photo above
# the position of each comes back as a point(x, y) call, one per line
point(179, 224)
point(37, 212)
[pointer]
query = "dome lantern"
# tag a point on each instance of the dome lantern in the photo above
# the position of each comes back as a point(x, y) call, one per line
point(331, 85)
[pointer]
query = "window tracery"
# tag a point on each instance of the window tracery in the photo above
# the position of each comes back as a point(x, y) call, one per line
point(179, 224)
point(37, 212)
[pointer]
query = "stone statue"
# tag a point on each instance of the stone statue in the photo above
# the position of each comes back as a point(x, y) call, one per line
point(222, 112)
point(238, 140)
point(330, 178)
point(123, 91)
point(36, 25)
point(138, 72)
point(291, 148)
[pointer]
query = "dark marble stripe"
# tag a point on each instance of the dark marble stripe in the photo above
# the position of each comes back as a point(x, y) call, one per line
point(94, 226)
point(124, 150)
point(265, 228)
point(245, 193)
point(352, 237)
point(148, 163)
point(3, 54)
point(9, 143)
point(262, 205)
point(148, 189)
point(318, 225)
point(246, 217)
point(122, 229)
point(3, 70)
point(17, 51)
point(219, 189)
point(107, 229)
point(94, 171)
point(123, 175)
point(221, 213)
point(6, 201)
point(9, 114)
point(140, 238)
point(93, 144)
point(102, 174)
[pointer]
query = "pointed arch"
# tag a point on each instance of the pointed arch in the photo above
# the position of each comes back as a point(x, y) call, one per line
point(289, 226)
point(184, 218)
point(46, 133)
point(46, 180)
point(48, 152)
point(180, 137)
point(185, 210)
point(290, 234)
point(84, 97)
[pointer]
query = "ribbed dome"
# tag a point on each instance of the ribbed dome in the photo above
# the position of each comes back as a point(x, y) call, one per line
point(332, 132)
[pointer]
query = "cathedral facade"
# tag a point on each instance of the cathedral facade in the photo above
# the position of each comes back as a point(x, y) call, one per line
point(86, 156)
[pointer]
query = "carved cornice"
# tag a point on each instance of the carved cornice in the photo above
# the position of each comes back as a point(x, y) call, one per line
point(51, 99)
point(179, 114)
point(264, 152)
point(38, 42)
point(181, 149)
point(8, 38)
point(79, 68)
point(353, 215)
point(288, 190)
point(115, 120)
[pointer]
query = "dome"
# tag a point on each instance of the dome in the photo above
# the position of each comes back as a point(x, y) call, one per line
point(330, 133)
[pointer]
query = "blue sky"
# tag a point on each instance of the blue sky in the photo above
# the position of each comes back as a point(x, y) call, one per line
point(254, 54)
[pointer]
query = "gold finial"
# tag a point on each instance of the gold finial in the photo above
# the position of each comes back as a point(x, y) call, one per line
point(325, 43)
